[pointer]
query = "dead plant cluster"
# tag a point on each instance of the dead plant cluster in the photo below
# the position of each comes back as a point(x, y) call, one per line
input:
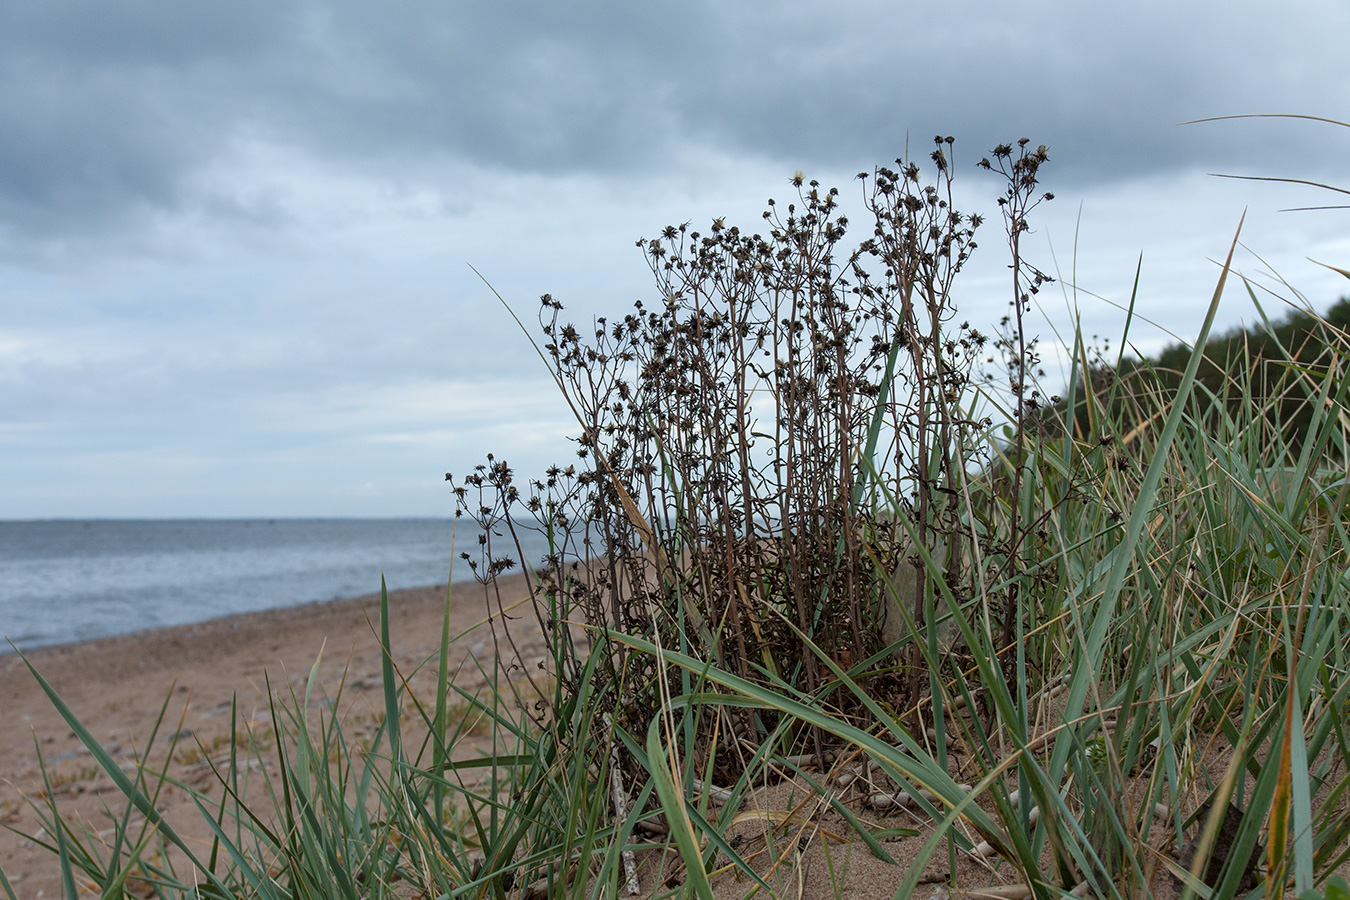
point(772, 434)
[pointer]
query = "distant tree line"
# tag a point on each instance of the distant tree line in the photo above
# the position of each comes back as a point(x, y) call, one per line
point(1274, 355)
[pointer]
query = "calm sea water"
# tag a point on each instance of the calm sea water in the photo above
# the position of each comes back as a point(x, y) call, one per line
point(72, 580)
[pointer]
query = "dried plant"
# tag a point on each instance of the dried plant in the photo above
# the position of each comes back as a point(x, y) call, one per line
point(781, 425)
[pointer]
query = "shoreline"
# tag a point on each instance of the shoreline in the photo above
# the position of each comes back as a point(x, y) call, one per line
point(237, 626)
point(74, 580)
point(231, 624)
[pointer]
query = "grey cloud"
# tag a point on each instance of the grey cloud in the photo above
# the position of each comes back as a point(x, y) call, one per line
point(109, 114)
point(1104, 86)
point(105, 110)
point(142, 33)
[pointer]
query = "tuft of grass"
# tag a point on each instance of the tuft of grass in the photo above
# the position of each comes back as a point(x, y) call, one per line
point(371, 817)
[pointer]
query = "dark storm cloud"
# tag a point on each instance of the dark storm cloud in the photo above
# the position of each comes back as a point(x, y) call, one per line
point(111, 113)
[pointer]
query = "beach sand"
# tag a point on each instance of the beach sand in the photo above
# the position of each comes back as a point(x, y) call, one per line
point(117, 687)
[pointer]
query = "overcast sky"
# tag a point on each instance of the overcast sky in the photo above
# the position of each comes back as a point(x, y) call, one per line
point(235, 238)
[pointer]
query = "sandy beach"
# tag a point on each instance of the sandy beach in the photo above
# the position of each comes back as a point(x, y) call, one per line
point(117, 687)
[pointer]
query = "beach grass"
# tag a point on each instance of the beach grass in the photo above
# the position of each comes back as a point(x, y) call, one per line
point(1118, 618)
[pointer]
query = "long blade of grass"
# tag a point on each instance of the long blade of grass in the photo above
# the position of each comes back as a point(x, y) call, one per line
point(1280, 806)
point(59, 832)
point(391, 713)
point(1267, 116)
point(1294, 755)
point(143, 803)
point(439, 725)
point(1123, 554)
point(672, 801)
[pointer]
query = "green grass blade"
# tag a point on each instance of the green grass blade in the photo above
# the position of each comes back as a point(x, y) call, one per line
point(672, 801)
point(143, 803)
point(1123, 554)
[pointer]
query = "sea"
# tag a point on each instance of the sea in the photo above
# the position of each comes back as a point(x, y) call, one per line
point(72, 580)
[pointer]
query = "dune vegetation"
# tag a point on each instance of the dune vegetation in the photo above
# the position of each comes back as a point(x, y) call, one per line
point(826, 542)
